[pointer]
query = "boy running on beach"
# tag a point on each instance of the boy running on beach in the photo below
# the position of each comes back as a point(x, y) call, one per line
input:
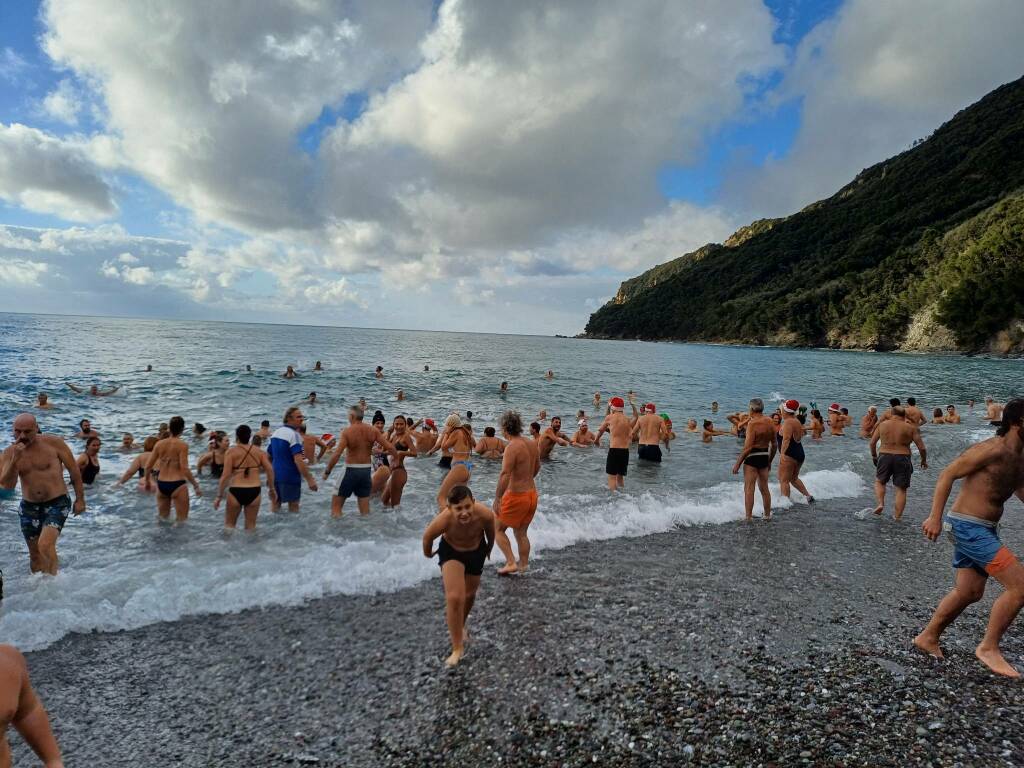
point(467, 529)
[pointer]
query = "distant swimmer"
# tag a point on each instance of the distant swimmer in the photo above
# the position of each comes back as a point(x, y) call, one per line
point(39, 462)
point(199, 433)
point(426, 368)
point(869, 422)
point(43, 401)
point(952, 417)
point(893, 463)
point(551, 437)
point(405, 448)
point(21, 708)
point(503, 389)
point(89, 460)
point(620, 428)
point(914, 414)
point(836, 422)
point(597, 401)
point(651, 431)
point(791, 451)
point(400, 395)
point(549, 375)
point(241, 480)
point(149, 368)
point(938, 417)
point(490, 446)
point(847, 418)
point(583, 437)
point(85, 430)
point(515, 498)
point(169, 463)
point(756, 459)
point(993, 411)
point(708, 433)
point(93, 390)
point(467, 532)
point(248, 368)
point(714, 406)
point(311, 399)
point(264, 430)
point(290, 373)
point(127, 442)
point(691, 425)
point(290, 468)
point(543, 415)
point(379, 372)
point(356, 443)
point(970, 405)
point(138, 465)
point(318, 366)
point(991, 472)
point(458, 441)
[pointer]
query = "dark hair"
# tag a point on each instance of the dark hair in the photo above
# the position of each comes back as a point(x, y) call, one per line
point(198, 428)
point(937, 413)
point(82, 422)
point(378, 416)
point(802, 418)
point(511, 423)
point(894, 401)
point(469, 414)
point(243, 433)
point(1013, 415)
point(911, 401)
point(816, 414)
point(535, 425)
point(844, 411)
point(459, 493)
point(265, 423)
point(380, 368)
point(708, 424)
point(176, 425)
point(311, 394)
point(257, 441)
point(489, 431)
point(89, 440)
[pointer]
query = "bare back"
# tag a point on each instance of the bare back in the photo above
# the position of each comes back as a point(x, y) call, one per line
point(650, 428)
point(170, 458)
point(522, 462)
point(619, 428)
point(895, 436)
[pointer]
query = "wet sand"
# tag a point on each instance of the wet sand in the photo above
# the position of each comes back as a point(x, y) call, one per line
point(785, 643)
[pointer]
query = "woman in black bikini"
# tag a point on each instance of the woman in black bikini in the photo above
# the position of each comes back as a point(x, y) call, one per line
point(215, 456)
point(89, 460)
point(405, 445)
point(243, 463)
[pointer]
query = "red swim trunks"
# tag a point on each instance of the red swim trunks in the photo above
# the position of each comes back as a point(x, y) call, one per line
point(518, 509)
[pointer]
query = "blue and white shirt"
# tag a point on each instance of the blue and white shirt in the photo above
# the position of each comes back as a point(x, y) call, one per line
point(285, 445)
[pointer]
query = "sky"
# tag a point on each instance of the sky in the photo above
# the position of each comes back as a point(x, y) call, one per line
point(466, 165)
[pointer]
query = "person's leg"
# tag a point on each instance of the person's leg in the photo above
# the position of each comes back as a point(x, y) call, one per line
point(397, 485)
point(47, 544)
point(181, 503)
point(766, 494)
point(163, 505)
point(252, 511)
point(472, 584)
point(364, 504)
point(879, 496)
point(453, 576)
point(275, 504)
point(380, 479)
point(968, 588)
point(36, 561)
point(900, 503)
point(337, 505)
point(785, 473)
point(620, 481)
point(231, 510)
point(457, 475)
point(523, 544)
point(749, 480)
point(293, 506)
point(613, 482)
point(501, 539)
point(797, 483)
point(1004, 611)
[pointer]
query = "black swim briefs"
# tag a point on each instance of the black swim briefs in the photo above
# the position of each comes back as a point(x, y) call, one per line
point(474, 560)
point(618, 461)
point(894, 466)
point(649, 453)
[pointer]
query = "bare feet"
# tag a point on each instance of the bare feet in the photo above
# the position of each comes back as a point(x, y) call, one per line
point(878, 509)
point(928, 644)
point(508, 569)
point(454, 659)
point(994, 660)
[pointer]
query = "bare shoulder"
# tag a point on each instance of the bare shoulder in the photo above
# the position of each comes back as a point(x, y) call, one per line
point(53, 441)
point(484, 512)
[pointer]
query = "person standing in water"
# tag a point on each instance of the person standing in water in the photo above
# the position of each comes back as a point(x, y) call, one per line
point(895, 434)
point(551, 437)
point(991, 471)
point(169, 460)
point(243, 463)
point(290, 467)
point(356, 443)
point(405, 448)
point(467, 532)
point(89, 460)
point(791, 451)
point(39, 461)
point(619, 427)
point(43, 401)
point(869, 422)
point(756, 459)
point(458, 442)
point(650, 429)
point(515, 498)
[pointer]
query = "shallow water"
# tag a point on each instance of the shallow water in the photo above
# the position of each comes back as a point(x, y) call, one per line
point(120, 569)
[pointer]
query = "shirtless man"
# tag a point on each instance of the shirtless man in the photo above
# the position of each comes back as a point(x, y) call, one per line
point(264, 431)
point(310, 444)
point(515, 498)
point(650, 430)
point(379, 373)
point(170, 459)
point(93, 390)
point(311, 399)
point(39, 462)
point(951, 417)
point(991, 471)
point(691, 426)
point(914, 414)
point(836, 422)
point(356, 442)
point(869, 422)
point(552, 436)
point(896, 435)
point(489, 446)
point(85, 430)
point(893, 403)
point(993, 411)
point(620, 427)
point(20, 707)
point(467, 531)
point(597, 401)
point(43, 401)
point(318, 366)
point(756, 459)
point(535, 431)
point(426, 436)
point(583, 437)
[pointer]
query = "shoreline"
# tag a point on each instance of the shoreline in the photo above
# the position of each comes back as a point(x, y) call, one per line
point(784, 643)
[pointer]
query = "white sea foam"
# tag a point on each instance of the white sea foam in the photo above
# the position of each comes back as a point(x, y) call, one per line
point(243, 572)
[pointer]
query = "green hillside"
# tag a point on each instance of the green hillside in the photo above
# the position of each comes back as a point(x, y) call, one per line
point(924, 250)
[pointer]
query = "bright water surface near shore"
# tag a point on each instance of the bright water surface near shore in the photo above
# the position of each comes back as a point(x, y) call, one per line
point(120, 569)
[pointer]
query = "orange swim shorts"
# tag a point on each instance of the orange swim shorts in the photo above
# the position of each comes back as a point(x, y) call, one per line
point(518, 509)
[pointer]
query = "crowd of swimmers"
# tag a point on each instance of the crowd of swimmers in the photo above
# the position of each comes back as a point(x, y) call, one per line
point(464, 531)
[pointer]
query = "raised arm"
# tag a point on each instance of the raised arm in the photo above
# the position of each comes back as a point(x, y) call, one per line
point(109, 391)
point(72, 387)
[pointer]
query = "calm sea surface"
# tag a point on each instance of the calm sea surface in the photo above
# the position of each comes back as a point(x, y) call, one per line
point(120, 569)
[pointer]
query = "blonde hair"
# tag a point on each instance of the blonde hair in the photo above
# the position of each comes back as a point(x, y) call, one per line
point(453, 422)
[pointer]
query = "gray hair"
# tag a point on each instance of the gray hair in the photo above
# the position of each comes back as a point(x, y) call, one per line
point(511, 423)
point(757, 405)
point(356, 411)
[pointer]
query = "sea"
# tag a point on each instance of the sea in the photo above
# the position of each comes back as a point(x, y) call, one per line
point(122, 569)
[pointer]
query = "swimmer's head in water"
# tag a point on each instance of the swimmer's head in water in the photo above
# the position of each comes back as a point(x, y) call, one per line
point(150, 443)
point(265, 424)
point(84, 425)
point(25, 428)
point(911, 401)
point(1013, 416)
point(176, 426)
point(42, 398)
point(469, 415)
point(708, 424)
point(691, 423)
point(511, 423)
point(937, 413)
point(198, 428)
point(127, 439)
point(757, 405)
point(791, 406)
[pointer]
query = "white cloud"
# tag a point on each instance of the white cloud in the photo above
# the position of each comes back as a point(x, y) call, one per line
point(332, 292)
point(63, 103)
point(11, 64)
point(42, 173)
point(21, 272)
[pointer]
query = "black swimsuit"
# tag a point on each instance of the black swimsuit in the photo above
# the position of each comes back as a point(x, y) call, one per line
point(216, 470)
point(89, 472)
point(244, 495)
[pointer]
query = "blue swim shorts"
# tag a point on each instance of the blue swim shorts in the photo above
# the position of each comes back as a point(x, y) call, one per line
point(356, 481)
point(978, 546)
point(38, 515)
point(287, 492)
